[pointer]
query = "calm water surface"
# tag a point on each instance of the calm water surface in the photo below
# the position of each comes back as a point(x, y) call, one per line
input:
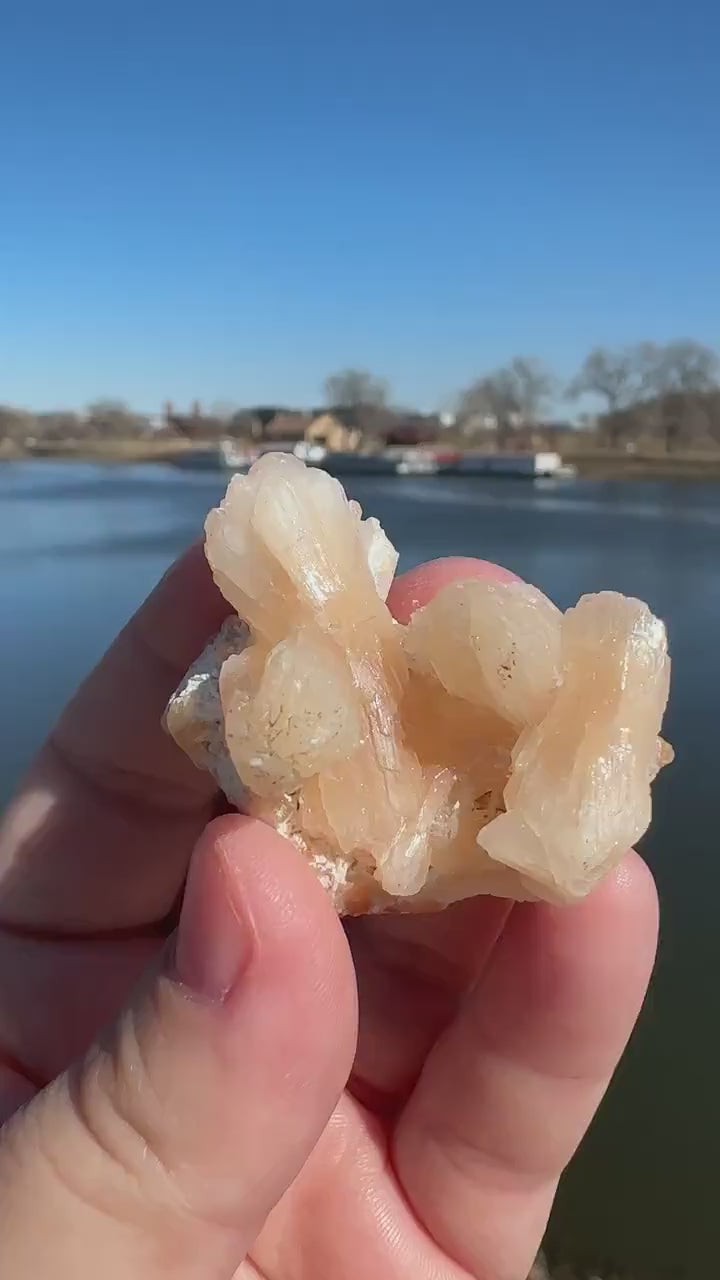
point(81, 545)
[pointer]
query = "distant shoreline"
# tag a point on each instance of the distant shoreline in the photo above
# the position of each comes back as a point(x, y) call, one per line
point(600, 464)
point(608, 465)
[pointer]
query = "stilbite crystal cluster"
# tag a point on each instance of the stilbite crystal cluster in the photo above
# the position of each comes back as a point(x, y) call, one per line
point(492, 745)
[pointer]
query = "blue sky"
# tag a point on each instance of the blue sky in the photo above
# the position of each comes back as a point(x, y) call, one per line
point(227, 201)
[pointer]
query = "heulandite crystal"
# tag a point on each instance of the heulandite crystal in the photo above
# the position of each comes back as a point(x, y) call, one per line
point(492, 745)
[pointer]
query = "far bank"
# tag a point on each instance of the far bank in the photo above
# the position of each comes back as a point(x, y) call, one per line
point(593, 463)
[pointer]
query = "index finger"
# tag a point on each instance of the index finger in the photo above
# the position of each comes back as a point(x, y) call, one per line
point(418, 586)
point(99, 834)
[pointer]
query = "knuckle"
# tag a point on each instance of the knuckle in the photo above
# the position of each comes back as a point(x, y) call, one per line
point(101, 1142)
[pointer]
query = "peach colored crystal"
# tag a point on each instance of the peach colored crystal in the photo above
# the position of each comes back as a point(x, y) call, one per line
point(492, 745)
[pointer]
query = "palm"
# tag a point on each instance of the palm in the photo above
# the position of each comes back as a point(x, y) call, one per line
point(475, 1025)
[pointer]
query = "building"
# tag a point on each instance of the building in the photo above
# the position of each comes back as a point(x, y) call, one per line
point(413, 430)
point(286, 428)
point(328, 430)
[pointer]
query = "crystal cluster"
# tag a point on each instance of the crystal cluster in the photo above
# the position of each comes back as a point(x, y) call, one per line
point(492, 745)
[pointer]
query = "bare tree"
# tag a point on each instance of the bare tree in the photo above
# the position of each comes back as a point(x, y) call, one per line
point(611, 375)
point(115, 418)
point(689, 367)
point(514, 395)
point(16, 425)
point(615, 377)
point(60, 424)
point(653, 388)
point(489, 403)
point(533, 386)
point(675, 380)
point(353, 388)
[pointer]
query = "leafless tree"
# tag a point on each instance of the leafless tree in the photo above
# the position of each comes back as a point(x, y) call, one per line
point(61, 424)
point(514, 395)
point(16, 425)
point(614, 376)
point(668, 390)
point(533, 386)
point(488, 403)
point(676, 380)
point(689, 367)
point(611, 375)
point(110, 417)
point(353, 388)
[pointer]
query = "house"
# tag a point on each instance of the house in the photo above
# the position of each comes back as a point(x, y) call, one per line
point(413, 430)
point(245, 425)
point(329, 430)
point(285, 430)
point(195, 425)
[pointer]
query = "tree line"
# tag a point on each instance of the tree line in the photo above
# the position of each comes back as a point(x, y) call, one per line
point(665, 394)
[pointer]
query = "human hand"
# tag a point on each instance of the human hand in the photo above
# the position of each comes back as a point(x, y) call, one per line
point(204, 1103)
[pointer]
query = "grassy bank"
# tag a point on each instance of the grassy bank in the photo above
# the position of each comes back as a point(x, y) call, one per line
point(608, 464)
point(142, 449)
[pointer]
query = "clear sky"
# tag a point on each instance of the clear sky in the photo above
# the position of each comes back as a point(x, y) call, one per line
point(228, 200)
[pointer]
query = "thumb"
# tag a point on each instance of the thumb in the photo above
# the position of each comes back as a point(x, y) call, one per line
point(165, 1149)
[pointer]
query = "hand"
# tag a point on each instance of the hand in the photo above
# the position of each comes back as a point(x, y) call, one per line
point(203, 1103)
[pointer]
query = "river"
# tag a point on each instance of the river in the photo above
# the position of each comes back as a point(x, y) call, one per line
point(81, 545)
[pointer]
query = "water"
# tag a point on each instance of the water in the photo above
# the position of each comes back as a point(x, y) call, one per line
point(81, 545)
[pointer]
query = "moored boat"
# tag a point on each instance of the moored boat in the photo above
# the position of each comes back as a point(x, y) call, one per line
point(230, 455)
point(226, 455)
point(529, 465)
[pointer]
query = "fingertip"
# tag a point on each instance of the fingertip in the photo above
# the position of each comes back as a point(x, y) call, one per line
point(633, 883)
point(567, 982)
point(417, 587)
point(297, 927)
point(623, 907)
point(258, 857)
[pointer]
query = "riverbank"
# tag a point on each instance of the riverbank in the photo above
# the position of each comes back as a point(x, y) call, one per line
point(142, 449)
point(608, 464)
point(596, 464)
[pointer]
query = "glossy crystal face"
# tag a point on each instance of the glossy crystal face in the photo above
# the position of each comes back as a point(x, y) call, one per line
point(491, 745)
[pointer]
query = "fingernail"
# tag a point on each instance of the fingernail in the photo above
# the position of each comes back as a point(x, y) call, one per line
point(215, 939)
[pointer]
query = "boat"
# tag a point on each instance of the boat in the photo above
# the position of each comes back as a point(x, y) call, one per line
point(357, 464)
point(230, 455)
point(226, 455)
point(421, 464)
point(198, 459)
point(528, 465)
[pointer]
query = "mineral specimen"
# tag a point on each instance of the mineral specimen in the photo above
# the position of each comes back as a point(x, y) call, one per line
point(492, 745)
